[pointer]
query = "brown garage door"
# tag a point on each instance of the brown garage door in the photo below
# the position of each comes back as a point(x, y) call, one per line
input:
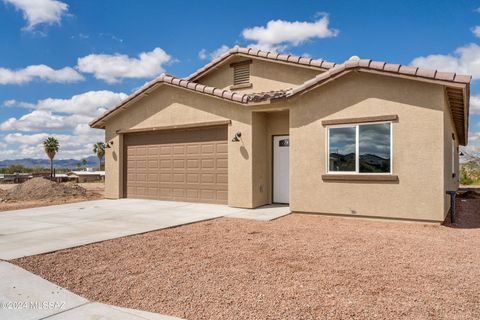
point(187, 165)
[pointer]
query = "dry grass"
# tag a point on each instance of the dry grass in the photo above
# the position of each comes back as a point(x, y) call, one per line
point(297, 267)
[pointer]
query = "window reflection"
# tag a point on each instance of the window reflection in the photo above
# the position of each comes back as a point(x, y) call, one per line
point(374, 148)
point(342, 149)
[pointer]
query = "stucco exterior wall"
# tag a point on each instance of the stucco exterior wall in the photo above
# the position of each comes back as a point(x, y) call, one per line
point(451, 158)
point(422, 162)
point(260, 183)
point(168, 106)
point(418, 156)
point(264, 76)
point(265, 126)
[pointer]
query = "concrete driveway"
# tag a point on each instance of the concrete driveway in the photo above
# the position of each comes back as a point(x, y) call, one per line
point(45, 229)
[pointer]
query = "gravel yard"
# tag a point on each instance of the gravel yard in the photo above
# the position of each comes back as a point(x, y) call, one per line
point(296, 267)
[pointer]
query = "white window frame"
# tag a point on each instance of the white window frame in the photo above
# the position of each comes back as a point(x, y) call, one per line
point(357, 148)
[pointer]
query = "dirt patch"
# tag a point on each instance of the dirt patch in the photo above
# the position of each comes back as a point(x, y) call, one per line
point(38, 192)
point(40, 188)
point(296, 267)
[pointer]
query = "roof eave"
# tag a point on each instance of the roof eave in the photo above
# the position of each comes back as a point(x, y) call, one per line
point(262, 55)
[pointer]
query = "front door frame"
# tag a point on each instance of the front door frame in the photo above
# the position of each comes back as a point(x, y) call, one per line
point(272, 164)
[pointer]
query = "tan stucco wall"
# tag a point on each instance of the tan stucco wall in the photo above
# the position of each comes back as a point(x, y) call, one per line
point(420, 159)
point(260, 183)
point(173, 106)
point(264, 76)
point(417, 148)
point(265, 126)
point(451, 183)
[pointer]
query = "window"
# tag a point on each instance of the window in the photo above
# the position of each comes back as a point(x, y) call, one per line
point(360, 148)
point(241, 72)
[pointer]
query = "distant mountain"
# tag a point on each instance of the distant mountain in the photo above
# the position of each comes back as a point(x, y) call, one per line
point(92, 161)
point(368, 162)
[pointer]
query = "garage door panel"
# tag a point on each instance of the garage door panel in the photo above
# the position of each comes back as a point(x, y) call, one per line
point(152, 151)
point(222, 163)
point(192, 178)
point(222, 178)
point(221, 148)
point(165, 193)
point(165, 177)
point(207, 163)
point(166, 150)
point(166, 164)
point(193, 149)
point(179, 165)
point(193, 164)
point(222, 195)
point(207, 178)
point(179, 149)
point(153, 164)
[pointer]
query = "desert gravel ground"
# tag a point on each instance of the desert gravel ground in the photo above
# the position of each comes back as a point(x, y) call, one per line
point(296, 267)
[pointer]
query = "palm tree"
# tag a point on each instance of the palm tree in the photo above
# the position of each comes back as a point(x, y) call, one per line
point(99, 150)
point(51, 146)
point(84, 162)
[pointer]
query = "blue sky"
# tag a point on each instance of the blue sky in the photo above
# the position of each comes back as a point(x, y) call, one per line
point(63, 62)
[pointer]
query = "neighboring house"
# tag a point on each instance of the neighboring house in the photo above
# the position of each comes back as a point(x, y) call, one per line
point(62, 177)
point(15, 177)
point(363, 138)
point(87, 175)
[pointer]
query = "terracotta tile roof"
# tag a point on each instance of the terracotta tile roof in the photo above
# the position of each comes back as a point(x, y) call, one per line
point(177, 82)
point(267, 95)
point(395, 69)
point(286, 58)
point(332, 71)
point(458, 86)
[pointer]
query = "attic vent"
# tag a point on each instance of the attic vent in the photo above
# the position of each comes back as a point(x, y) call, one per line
point(241, 72)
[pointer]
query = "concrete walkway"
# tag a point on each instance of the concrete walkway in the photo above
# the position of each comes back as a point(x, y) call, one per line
point(25, 296)
point(39, 230)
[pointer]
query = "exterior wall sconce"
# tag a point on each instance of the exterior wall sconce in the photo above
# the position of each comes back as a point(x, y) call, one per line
point(109, 144)
point(237, 136)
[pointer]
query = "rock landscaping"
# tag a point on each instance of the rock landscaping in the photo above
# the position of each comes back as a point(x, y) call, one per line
point(297, 267)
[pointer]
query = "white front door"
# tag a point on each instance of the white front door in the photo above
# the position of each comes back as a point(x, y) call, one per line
point(281, 172)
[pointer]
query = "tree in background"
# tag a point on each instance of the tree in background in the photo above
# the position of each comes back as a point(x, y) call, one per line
point(51, 146)
point(99, 150)
point(84, 163)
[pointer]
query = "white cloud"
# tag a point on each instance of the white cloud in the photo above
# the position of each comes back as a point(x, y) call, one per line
point(278, 35)
point(43, 120)
point(475, 104)
point(41, 72)
point(476, 31)
point(65, 119)
point(20, 145)
point(465, 60)
point(204, 54)
point(112, 68)
point(91, 103)
point(19, 138)
point(40, 11)
point(36, 120)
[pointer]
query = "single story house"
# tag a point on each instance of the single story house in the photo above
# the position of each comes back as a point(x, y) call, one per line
point(251, 128)
point(82, 176)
